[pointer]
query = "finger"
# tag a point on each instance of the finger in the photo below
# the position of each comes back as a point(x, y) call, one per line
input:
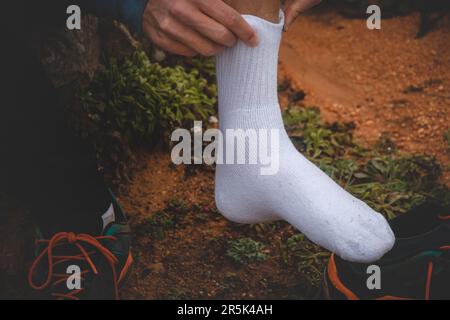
point(197, 20)
point(190, 37)
point(168, 44)
point(294, 7)
point(231, 19)
point(289, 13)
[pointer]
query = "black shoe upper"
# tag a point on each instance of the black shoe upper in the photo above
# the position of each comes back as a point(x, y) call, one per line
point(417, 267)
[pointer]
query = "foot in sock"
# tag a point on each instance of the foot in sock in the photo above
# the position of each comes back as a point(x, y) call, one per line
point(299, 192)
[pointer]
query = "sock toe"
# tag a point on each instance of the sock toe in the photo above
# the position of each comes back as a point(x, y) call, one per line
point(373, 243)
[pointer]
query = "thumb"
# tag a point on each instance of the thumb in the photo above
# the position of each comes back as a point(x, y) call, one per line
point(294, 7)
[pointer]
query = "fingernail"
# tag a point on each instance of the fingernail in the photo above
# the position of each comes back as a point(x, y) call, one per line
point(254, 41)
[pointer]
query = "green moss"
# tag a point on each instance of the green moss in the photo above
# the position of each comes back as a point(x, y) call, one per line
point(246, 250)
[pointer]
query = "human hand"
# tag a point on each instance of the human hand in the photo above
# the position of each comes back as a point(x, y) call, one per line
point(293, 8)
point(191, 27)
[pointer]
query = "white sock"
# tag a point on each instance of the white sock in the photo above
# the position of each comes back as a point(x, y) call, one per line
point(299, 193)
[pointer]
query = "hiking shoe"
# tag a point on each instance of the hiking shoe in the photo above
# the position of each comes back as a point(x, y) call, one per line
point(417, 267)
point(82, 266)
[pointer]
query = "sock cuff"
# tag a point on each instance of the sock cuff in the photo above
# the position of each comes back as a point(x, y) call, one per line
point(246, 76)
point(269, 32)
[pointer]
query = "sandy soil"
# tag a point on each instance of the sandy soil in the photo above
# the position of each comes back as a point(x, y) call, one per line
point(386, 81)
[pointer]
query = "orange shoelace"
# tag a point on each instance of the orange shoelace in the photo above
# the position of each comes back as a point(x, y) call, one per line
point(77, 240)
point(430, 275)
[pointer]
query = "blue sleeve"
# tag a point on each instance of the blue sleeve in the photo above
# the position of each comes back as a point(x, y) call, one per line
point(129, 12)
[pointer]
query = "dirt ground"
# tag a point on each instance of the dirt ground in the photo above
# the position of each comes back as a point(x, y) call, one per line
point(389, 83)
point(386, 81)
point(190, 261)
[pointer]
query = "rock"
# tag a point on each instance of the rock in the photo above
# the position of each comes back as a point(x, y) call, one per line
point(159, 55)
point(213, 120)
point(116, 39)
point(70, 56)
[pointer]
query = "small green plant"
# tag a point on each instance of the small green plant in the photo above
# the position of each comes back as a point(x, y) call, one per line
point(157, 225)
point(317, 139)
point(160, 222)
point(309, 259)
point(177, 207)
point(388, 182)
point(205, 66)
point(246, 250)
point(135, 102)
point(143, 101)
